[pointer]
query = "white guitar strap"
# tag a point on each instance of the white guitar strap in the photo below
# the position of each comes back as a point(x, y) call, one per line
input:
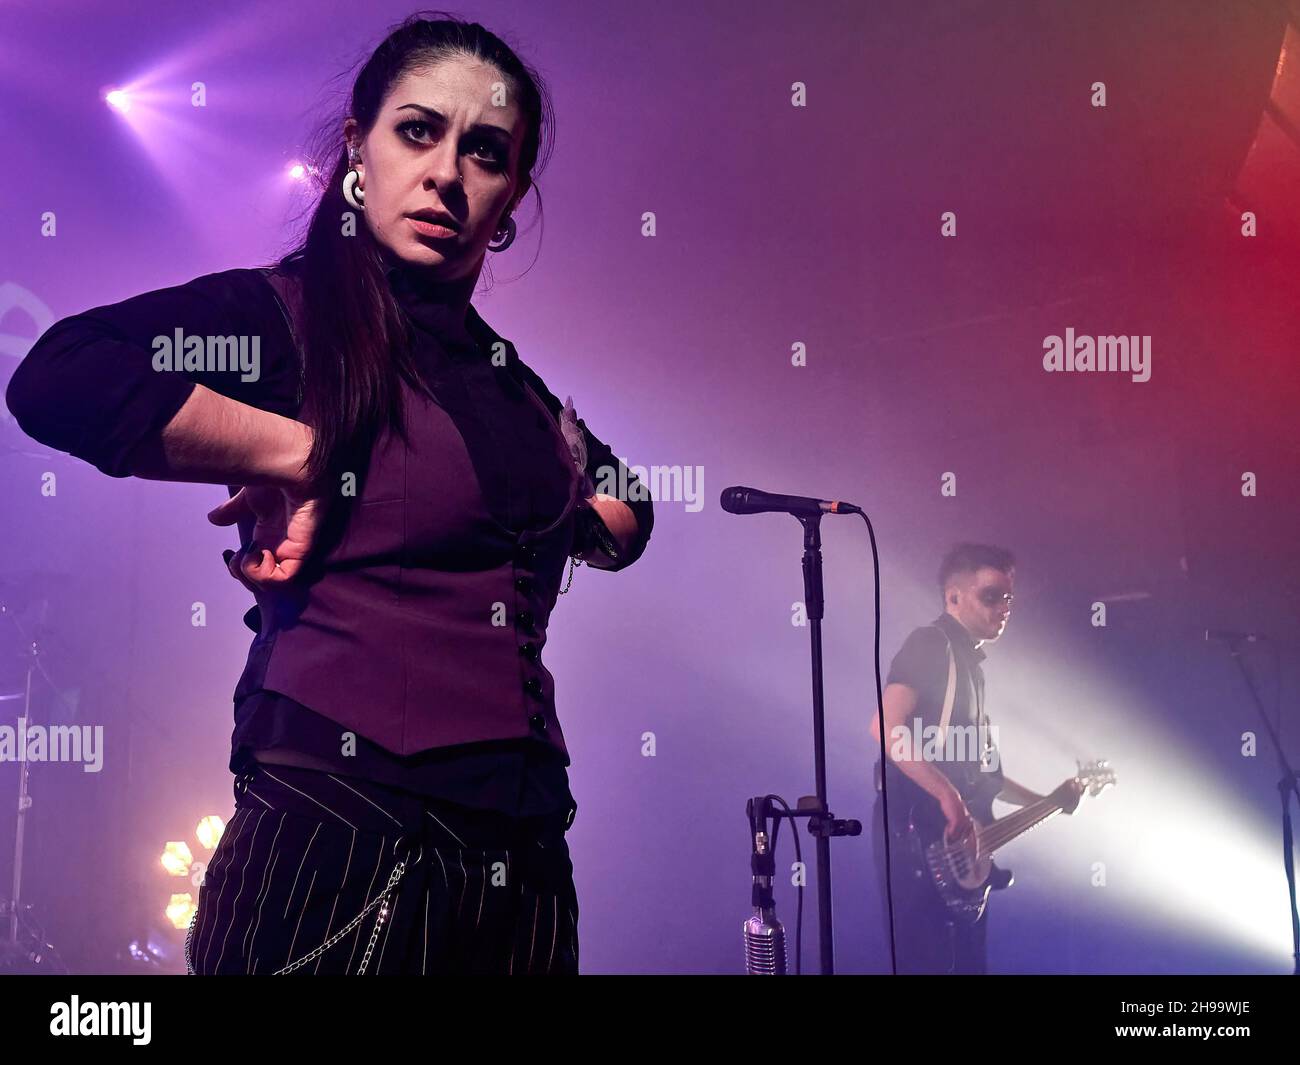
point(950, 695)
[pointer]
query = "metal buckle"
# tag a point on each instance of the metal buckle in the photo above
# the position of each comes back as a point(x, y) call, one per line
point(407, 844)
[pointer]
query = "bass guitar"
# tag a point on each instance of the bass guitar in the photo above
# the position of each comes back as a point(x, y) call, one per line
point(963, 873)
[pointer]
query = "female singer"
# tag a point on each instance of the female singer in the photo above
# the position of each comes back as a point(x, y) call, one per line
point(408, 494)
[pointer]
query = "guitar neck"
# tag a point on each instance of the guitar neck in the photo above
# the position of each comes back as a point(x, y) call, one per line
point(1005, 829)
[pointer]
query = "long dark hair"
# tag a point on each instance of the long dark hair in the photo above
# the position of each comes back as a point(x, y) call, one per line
point(355, 343)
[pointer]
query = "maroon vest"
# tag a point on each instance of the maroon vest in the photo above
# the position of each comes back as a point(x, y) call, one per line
point(427, 621)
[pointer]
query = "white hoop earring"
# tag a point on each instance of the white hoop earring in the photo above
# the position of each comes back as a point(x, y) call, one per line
point(354, 195)
point(509, 228)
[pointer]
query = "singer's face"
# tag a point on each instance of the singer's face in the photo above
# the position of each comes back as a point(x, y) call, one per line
point(440, 143)
point(983, 601)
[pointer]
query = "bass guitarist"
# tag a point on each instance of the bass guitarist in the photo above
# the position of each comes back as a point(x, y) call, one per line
point(943, 769)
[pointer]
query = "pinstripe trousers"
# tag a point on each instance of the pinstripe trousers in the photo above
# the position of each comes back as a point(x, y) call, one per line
point(322, 874)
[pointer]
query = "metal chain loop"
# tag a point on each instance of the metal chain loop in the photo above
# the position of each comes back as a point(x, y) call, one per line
point(379, 921)
point(574, 563)
point(379, 900)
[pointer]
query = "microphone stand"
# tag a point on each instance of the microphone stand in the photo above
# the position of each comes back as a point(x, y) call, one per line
point(12, 948)
point(821, 825)
point(1286, 787)
point(23, 942)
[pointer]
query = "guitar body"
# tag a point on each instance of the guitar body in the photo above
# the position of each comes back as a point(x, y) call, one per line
point(963, 877)
point(962, 883)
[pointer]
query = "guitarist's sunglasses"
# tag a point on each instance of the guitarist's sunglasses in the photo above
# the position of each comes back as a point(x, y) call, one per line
point(991, 597)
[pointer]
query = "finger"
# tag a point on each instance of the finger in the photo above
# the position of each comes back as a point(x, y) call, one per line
point(234, 563)
point(272, 571)
point(286, 569)
point(234, 508)
point(233, 559)
point(257, 564)
point(287, 560)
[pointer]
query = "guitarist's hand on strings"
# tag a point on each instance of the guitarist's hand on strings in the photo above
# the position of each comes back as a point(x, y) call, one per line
point(961, 825)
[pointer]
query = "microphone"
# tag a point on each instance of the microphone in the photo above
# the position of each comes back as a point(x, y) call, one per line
point(1228, 636)
point(764, 934)
point(742, 500)
point(764, 945)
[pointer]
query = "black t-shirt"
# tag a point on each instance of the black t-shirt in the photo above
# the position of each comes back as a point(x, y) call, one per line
point(965, 751)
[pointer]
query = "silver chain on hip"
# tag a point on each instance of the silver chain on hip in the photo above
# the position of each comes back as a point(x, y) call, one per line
point(381, 900)
point(379, 921)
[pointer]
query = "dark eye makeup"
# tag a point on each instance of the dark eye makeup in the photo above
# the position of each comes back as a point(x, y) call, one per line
point(493, 156)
